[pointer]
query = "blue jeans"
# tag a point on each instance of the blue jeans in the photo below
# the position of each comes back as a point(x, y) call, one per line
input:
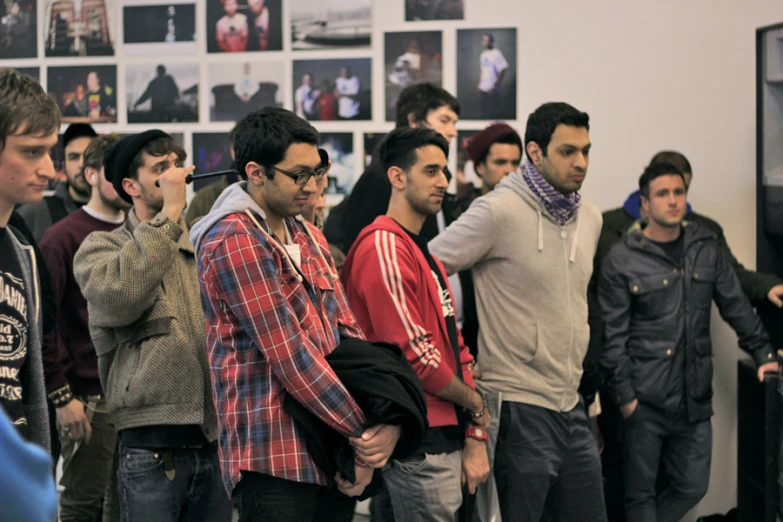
point(195, 494)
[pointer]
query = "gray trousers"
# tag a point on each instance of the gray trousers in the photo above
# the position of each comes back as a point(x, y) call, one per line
point(425, 488)
point(684, 449)
point(547, 466)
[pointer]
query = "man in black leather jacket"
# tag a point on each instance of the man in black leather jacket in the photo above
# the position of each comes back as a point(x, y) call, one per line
point(656, 291)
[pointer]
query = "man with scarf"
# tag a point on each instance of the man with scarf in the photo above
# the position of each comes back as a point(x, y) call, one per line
point(531, 244)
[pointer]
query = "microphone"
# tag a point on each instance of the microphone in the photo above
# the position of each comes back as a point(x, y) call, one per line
point(190, 178)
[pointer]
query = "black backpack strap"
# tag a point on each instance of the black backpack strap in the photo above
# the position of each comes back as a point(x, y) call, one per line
point(56, 208)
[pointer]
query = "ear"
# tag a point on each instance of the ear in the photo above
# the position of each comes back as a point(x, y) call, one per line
point(534, 153)
point(480, 169)
point(131, 187)
point(397, 178)
point(645, 203)
point(255, 173)
point(91, 175)
point(412, 120)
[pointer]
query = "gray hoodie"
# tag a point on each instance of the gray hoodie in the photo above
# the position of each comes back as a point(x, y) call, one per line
point(531, 279)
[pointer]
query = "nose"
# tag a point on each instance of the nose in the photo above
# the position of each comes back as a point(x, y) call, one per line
point(46, 168)
point(311, 186)
point(451, 131)
point(580, 161)
point(443, 180)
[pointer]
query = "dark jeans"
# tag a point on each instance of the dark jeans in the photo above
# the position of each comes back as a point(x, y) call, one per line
point(195, 494)
point(489, 105)
point(264, 498)
point(547, 466)
point(682, 449)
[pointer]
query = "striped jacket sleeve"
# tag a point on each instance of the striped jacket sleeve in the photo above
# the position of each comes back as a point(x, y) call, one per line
point(384, 277)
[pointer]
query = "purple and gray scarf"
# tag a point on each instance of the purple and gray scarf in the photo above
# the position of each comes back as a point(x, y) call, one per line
point(562, 208)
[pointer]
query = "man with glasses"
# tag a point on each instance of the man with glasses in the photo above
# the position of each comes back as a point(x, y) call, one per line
point(274, 310)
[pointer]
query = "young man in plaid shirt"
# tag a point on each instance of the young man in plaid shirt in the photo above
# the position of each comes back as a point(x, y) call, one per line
point(274, 310)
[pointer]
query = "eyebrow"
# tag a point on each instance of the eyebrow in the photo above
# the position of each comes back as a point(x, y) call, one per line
point(435, 166)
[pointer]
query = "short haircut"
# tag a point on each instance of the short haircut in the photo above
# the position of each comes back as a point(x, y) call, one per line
point(420, 99)
point(541, 124)
point(93, 154)
point(264, 136)
point(158, 147)
point(399, 147)
point(673, 158)
point(25, 107)
point(654, 171)
point(507, 139)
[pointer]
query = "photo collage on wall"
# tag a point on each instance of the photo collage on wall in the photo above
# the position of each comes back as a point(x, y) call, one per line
point(130, 65)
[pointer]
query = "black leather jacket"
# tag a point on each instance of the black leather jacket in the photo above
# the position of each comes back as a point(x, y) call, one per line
point(653, 307)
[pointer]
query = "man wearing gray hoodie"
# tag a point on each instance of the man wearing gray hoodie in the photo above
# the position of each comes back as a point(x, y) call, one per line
point(531, 244)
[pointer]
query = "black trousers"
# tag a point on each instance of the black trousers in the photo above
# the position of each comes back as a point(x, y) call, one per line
point(264, 498)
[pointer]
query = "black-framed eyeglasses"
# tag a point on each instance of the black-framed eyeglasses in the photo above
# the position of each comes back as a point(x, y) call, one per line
point(303, 178)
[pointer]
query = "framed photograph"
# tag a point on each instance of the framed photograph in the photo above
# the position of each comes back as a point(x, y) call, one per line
point(416, 10)
point(330, 90)
point(331, 24)
point(237, 88)
point(466, 174)
point(84, 28)
point(84, 93)
point(153, 28)
point(372, 140)
point(211, 152)
point(18, 29)
point(410, 57)
point(162, 93)
point(487, 73)
point(342, 175)
point(32, 72)
point(239, 26)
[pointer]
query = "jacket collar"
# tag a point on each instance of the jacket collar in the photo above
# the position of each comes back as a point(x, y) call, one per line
point(692, 233)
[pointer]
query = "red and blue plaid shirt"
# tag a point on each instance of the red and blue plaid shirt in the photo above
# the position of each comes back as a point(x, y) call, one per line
point(267, 336)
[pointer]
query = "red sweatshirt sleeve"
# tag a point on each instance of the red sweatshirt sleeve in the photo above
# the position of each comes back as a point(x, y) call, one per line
point(59, 265)
point(384, 278)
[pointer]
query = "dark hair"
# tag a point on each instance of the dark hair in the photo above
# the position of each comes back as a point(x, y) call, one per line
point(93, 154)
point(420, 99)
point(161, 69)
point(541, 124)
point(511, 138)
point(654, 171)
point(399, 147)
point(264, 136)
point(490, 36)
point(673, 158)
point(25, 106)
point(158, 147)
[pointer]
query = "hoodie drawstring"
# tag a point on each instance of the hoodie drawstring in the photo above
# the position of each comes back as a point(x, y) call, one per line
point(273, 241)
point(574, 240)
point(540, 231)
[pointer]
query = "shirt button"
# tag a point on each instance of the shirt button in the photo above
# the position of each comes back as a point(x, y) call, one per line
point(563, 234)
point(635, 288)
point(668, 352)
point(695, 276)
point(665, 282)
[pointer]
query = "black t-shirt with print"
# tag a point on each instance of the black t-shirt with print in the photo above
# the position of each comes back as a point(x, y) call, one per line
point(444, 439)
point(13, 331)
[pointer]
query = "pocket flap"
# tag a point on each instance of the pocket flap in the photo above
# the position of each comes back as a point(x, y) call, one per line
point(151, 328)
point(707, 274)
point(652, 283)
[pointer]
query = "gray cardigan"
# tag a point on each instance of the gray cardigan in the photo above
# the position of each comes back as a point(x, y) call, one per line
point(34, 391)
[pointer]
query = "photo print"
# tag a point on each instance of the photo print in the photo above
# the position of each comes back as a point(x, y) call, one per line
point(342, 175)
point(487, 73)
point(153, 28)
point(416, 10)
point(162, 93)
point(410, 57)
point(79, 27)
point(237, 88)
point(331, 90)
point(331, 24)
point(238, 26)
point(84, 93)
point(18, 29)
point(211, 152)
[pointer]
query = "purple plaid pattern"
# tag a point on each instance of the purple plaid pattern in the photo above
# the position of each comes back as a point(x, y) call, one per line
point(267, 336)
point(561, 208)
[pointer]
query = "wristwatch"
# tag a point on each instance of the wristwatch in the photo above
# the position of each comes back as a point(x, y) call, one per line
point(477, 433)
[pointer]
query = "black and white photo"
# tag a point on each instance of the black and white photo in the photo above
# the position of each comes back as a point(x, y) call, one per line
point(239, 26)
point(335, 89)
point(162, 93)
point(154, 28)
point(18, 29)
point(410, 57)
point(84, 93)
point(79, 27)
point(331, 24)
point(416, 10)
point(487, 73)
point(237, 88)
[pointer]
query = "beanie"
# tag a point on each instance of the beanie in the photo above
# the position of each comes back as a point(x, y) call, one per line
point(118, 159)
point(478, 144)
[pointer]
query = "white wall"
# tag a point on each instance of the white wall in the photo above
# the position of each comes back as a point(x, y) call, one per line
point(652, 74)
